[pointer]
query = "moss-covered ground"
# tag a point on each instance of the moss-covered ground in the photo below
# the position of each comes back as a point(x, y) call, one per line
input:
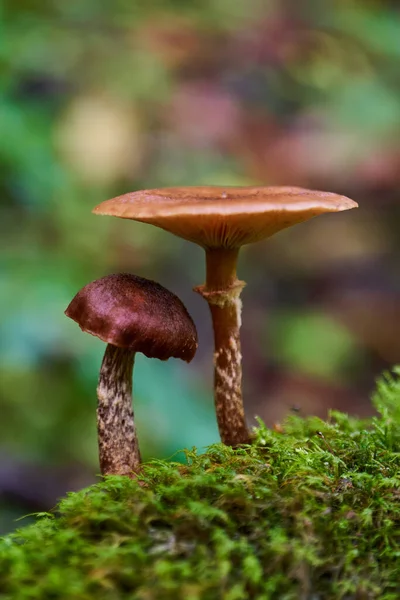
point(311, 512)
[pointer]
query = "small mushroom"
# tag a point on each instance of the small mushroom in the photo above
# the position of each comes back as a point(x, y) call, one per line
point(221, 220)
point(130, 314)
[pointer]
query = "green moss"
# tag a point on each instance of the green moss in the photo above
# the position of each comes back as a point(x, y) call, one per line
point(310, 513)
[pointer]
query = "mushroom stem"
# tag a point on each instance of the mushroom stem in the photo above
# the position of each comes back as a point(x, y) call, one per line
point(222, 292)
point(118, 445)
point(221, 265)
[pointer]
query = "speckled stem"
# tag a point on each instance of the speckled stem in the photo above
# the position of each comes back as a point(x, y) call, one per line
point(222, 292)
point(118, 446)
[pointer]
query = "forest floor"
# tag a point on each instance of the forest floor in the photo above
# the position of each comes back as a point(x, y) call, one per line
point(310, 511)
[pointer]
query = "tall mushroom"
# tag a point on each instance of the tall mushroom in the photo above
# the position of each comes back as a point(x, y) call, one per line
point(221, 220)
point(130, 314)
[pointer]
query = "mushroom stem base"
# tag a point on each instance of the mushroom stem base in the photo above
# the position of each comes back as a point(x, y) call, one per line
point(228, 373)
point(118, 446)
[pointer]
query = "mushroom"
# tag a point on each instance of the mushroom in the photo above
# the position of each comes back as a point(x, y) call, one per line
point(131, 314)
point(221, 220)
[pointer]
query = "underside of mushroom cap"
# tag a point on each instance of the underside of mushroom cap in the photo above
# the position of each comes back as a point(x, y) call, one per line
point(132, 312)
point(228, 217)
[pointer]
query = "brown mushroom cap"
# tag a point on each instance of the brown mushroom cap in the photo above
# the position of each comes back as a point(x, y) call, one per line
point(228, 217)
point(131, 312)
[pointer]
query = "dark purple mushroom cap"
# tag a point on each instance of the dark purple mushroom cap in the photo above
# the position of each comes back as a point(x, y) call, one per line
point(132, 312)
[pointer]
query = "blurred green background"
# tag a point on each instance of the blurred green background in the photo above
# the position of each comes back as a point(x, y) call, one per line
point(100, 98)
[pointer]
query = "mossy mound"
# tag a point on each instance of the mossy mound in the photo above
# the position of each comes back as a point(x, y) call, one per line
point(311, 512)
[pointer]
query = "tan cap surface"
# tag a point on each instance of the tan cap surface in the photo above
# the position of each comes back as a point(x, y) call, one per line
point(230, 217)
